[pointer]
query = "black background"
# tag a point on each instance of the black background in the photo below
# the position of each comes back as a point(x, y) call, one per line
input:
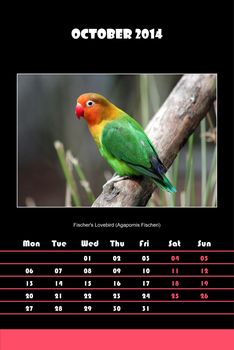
point(197, 38)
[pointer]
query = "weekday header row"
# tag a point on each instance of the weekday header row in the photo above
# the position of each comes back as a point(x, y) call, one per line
point(112, 243)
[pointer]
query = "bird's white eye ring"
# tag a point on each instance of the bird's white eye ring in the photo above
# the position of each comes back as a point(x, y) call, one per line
point(89, 103)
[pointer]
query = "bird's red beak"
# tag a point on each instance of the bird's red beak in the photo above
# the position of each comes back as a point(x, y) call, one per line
point(79, 110)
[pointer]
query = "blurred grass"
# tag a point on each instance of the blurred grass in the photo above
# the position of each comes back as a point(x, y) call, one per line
point(144, 98)
point(82, 179)
point(189, 170)
point(203, 161)
point(70, 182)
point(69, 164)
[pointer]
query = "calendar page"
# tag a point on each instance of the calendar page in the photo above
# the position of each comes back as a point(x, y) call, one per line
point(117, 176)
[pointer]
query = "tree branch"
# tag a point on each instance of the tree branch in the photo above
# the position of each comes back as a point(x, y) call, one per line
point(168, 130)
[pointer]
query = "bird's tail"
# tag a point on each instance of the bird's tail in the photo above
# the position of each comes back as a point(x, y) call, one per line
point(165, 184)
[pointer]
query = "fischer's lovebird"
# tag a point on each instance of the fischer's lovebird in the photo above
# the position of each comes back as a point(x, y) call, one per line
point(121, 140)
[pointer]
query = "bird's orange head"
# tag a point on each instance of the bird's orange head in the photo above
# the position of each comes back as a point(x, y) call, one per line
point(94, 108)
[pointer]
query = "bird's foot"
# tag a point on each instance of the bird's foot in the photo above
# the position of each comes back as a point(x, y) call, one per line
point(115, 178)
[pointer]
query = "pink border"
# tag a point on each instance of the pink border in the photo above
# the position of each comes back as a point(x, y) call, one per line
point(116, 339)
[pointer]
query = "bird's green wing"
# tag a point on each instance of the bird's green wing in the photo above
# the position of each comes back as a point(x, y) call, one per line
point(126, 140)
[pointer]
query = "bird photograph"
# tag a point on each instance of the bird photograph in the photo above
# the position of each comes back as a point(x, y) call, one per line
point(116, 140)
